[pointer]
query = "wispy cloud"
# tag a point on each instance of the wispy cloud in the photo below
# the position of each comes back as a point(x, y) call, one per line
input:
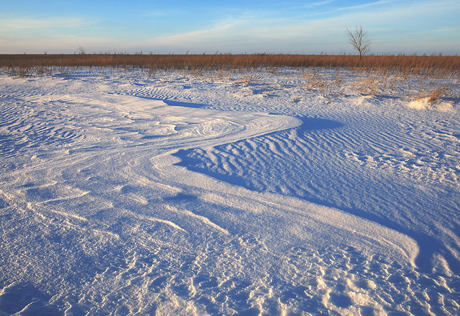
point(312, 28)
point(318, 34)
point(216, 33)
point(58, 44)
point(154, 14)
point(33, 23)
point(365, 5)
point(316, 4)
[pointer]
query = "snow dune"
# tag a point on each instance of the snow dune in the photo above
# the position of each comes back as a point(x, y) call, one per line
point(176, 195)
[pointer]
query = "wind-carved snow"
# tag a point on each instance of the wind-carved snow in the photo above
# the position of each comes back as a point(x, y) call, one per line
point(119, 202)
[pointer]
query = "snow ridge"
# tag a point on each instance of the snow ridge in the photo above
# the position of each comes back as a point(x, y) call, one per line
point(177, 195)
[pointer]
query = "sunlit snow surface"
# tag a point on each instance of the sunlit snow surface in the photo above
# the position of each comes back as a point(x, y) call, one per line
point(181, 195)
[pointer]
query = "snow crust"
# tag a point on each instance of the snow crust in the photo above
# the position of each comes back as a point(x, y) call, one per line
point(180, 194)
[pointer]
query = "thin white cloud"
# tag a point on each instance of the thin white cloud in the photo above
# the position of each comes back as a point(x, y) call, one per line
point(321, 34)
point(216, 33)
point(316, 4)
point(31, 23)
point(365, 5)
point(154, 14)
point(337, 9)
point(394, 26)
point(59, 44)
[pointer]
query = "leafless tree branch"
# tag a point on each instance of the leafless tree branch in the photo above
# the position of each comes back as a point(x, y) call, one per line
point(360, 41)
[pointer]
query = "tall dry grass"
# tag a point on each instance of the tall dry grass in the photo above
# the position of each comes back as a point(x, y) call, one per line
point(410, 76)
point(406, 63)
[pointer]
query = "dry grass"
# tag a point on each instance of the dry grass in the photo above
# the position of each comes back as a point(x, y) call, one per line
point(407, 76)
point(403, 63)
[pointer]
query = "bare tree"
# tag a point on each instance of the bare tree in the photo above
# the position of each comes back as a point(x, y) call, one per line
point(81, 50)
point(359, 40)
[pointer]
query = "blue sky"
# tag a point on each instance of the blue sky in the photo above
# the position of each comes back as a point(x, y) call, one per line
point(261, 26)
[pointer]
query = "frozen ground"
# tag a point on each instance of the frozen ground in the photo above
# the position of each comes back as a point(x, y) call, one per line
point(233, 194)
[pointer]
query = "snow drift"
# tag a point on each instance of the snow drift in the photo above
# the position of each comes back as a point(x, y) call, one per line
point(176, 195)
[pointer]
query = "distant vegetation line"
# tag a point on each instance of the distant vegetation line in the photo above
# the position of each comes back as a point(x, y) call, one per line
point(233, 61)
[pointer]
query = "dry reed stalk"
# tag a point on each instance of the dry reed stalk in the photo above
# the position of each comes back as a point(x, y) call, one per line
point(437, 94)
point(410, 64)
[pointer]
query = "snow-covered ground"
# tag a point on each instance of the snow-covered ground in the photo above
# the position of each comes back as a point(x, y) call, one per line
point(226, 194)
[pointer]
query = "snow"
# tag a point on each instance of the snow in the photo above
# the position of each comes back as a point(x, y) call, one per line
point(237, 194)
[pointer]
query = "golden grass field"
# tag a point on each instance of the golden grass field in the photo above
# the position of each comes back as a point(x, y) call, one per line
point(231, 61)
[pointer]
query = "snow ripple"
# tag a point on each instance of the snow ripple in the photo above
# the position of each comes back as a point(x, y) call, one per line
point(272, 215)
